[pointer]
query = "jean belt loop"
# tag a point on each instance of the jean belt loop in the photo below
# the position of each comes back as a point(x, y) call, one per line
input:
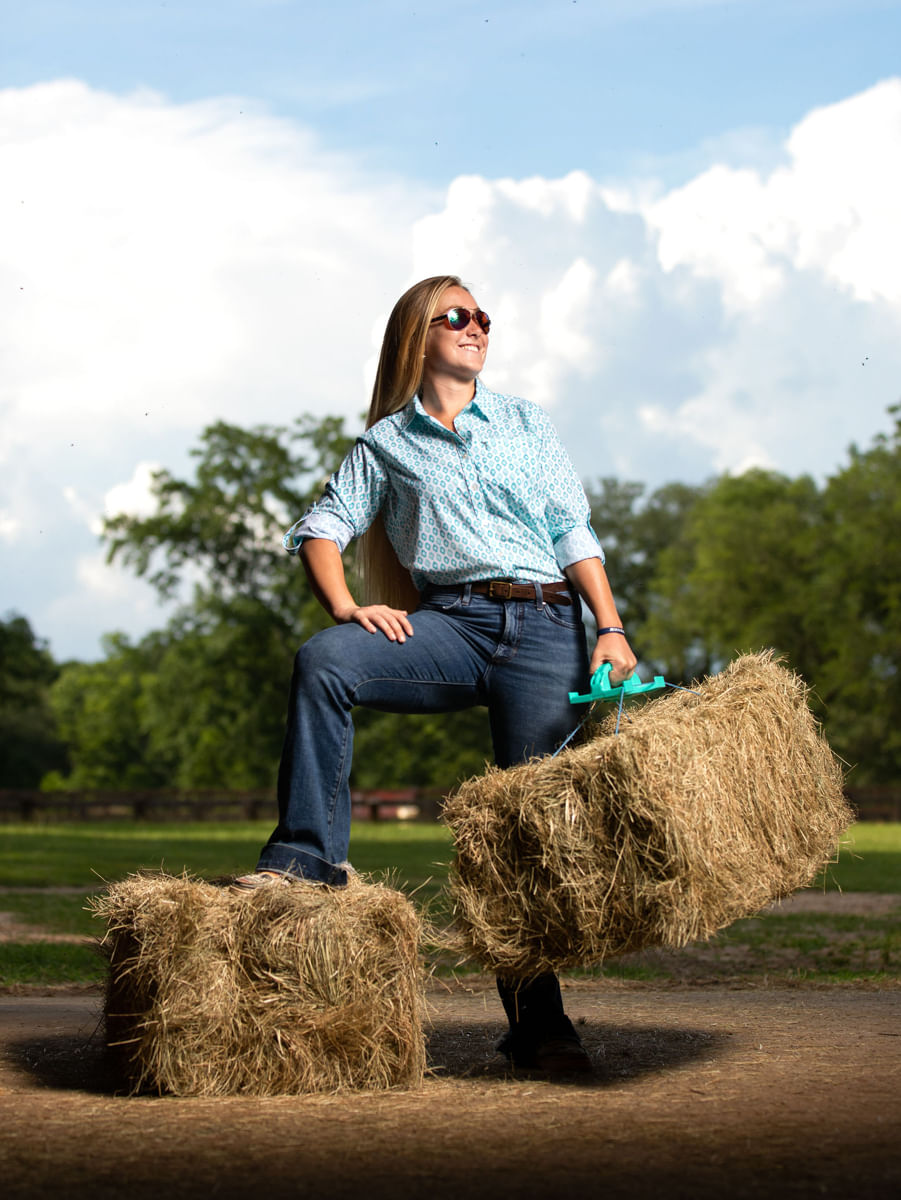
point(467, 593)
point(539, 596)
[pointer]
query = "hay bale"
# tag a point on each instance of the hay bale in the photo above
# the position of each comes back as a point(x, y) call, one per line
point(283, 990)
point(702, 809)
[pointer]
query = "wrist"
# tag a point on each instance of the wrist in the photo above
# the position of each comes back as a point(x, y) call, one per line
point(605, 629)
point(342, 613)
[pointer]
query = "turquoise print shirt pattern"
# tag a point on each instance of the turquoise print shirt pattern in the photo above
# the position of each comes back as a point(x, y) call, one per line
point(496, 497)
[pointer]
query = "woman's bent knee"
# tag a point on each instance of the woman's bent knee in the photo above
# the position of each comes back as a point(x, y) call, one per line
point(330, 659)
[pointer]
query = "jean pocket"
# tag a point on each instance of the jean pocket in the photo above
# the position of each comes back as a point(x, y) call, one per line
point(443, 600)
point(565, 617)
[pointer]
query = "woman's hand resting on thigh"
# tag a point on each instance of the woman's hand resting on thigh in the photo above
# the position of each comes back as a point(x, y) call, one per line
point(392, 622)
point(325, 571)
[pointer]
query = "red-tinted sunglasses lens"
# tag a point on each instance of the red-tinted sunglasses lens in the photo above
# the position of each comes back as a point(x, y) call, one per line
point(459, 318)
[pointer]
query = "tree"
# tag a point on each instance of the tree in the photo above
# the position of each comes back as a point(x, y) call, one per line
point(815, 573)
point(29, 741)
point(223, 529)
point(634, 534)
point(858, 609)
point(738, 576)
point(700, 574)
point(215, 706)
point(202, 704)
point(99, 708)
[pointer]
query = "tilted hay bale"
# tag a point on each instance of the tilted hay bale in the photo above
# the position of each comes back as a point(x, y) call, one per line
point(701, 810)
point(282, 990)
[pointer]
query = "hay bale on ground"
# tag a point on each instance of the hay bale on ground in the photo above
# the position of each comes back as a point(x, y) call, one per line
point(283, 990)
point(701, 810)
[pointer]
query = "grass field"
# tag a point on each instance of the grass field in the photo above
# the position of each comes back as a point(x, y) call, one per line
point(82, 857)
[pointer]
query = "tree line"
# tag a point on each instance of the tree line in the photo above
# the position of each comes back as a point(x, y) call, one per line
point(701, 573)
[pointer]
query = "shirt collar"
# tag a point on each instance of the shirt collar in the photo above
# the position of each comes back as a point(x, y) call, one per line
point(479, 406)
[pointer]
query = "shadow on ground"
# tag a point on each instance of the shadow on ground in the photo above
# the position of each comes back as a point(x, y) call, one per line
point(617, 1054)
point(85, 1064)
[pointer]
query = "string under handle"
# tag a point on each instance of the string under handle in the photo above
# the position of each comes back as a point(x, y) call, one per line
point(601, 690)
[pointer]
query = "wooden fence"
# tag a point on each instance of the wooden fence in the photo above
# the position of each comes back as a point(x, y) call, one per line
point(878, 803)
point(24, 804)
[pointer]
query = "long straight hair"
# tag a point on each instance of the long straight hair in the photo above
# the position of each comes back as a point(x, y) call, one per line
point(397, 380)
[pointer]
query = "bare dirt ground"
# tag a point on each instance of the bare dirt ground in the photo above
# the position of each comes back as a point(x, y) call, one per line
point(697, 1092)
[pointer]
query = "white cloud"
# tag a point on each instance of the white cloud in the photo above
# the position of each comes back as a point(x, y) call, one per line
point(718, 325)
point(10, 527)
point(164, 266)
point(832, 209)
point(168, 265)
point(135, 497)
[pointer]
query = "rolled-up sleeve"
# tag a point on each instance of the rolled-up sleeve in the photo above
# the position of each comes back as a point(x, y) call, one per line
point(348, 505)
point(567, 510)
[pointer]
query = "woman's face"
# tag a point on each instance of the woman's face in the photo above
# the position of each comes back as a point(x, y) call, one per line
point(455, 353)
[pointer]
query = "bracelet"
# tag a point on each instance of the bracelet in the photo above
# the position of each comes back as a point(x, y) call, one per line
point(611, 629)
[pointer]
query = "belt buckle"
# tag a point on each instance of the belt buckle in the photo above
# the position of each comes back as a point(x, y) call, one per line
point(500, 589)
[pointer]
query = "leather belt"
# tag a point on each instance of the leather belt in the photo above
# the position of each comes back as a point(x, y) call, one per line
point(505, 589)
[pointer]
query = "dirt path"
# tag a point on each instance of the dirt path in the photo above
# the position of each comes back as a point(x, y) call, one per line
point(698, 1093)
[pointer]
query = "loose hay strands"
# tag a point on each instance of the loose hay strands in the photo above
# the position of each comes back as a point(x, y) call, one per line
point(702, 809)
point(283, 990)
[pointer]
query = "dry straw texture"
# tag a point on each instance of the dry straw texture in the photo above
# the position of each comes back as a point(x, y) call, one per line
point(283, 990)
point(701, 810)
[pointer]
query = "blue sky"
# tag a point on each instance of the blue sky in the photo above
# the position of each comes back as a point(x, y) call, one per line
point(681, 215)
point(436, 90)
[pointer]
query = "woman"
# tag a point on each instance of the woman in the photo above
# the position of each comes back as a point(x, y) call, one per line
point(478, 555)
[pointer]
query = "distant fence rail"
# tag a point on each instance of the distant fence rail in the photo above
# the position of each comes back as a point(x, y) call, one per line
point(160, 804)
point(876, 803)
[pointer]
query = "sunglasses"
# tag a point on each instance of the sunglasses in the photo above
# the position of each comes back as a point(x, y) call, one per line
point(459, 318)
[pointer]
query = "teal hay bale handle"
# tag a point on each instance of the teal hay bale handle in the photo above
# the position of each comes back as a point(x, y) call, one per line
point(601, 689)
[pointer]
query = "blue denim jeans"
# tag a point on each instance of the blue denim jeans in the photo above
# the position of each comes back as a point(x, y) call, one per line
point(520, 659)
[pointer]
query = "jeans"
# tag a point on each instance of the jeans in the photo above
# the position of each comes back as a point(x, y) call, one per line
point(519, 658)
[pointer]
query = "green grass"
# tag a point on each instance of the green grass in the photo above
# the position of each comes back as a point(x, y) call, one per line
point(36, 963)
point(869, 860)
point(84, 856)
point(56, 914)
point(89, 854)
point(791, 949)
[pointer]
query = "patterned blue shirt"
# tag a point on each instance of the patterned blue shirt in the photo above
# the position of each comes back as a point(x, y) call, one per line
point(497, 497)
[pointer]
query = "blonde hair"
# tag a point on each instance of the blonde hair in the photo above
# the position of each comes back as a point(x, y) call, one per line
point(397, 380)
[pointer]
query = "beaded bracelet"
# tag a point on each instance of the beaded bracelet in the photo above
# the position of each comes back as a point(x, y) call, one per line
point(611, 629)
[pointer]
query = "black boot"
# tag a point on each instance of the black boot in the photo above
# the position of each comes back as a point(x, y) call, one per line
point(541, 1036)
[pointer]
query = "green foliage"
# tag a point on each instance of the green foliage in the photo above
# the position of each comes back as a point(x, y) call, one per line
point(701, 574)
point(223, 529)
point(760, 560)
point(634, 534)
point(99, 710)
point(737, 575)
point(438, 750)
point(214, 707)
point(858, 601)
point(29, 741)
point(202, 704)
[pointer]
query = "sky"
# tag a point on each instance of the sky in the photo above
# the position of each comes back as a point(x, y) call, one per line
point(682, 216)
